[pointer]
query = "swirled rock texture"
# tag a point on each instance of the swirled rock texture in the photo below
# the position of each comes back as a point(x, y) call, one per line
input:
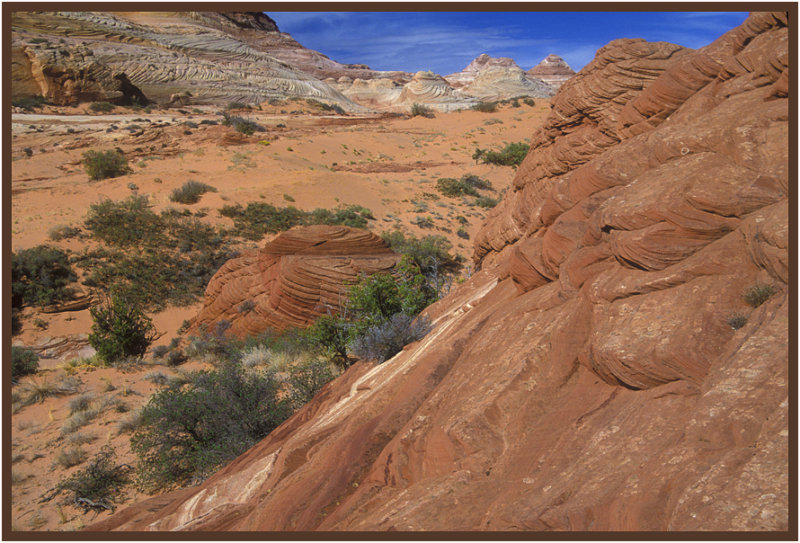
point(488, 78)
point(553, 70)
point(591, 375)
point(216, 57)
point(301, 274)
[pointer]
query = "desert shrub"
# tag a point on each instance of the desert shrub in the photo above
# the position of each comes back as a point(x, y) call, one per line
point(454, 188)
point(130, 423)
point(237, 105)
point(40, 276)
point(158, 378)
point(190, 192)
point(758, 294)
point(176, 357)
point(154, 260)
point(103, 107)
point(485, 107)
point(246, 306)
point(188, 431)
point(159, 351)
point(431, 254)
point(330, 335)
point(384, 340)
point(23, 361)
point(95, 487)
point(419, 110)
point(120, 330)
point(240, 124)
point(105, 164)
point(57, 233)
point(260, 218)
point(28, 103)
point(305, 380)
point(256, 355)
point(67, 458)
point(511, 155)
point(81, 403)
point(423, 222)
point(737, 321)
point(476, 182)
point(529, 102)
point(485, 202)
point(79, 419)
point(462, 233)
point(79, 438)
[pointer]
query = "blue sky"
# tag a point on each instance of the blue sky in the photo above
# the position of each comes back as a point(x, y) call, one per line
point(447, 42)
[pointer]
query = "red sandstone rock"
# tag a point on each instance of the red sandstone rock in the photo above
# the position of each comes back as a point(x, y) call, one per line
point(301, 274)
point(587, 378)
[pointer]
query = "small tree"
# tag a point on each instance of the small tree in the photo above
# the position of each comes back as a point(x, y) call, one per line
point(104, 164)
point(120, 330)
point(23, 361)
point(40, 275)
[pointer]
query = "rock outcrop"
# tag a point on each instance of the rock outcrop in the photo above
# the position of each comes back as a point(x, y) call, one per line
point(487, 78)
point(217, 57)
point(553, 70)
point(602, 371)
point(301, 274)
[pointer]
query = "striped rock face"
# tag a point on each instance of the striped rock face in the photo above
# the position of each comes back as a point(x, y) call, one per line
point(607, 368)
point(301, 274)
point(553, 70)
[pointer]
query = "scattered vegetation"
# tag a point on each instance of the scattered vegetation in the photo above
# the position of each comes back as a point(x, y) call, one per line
point(260, 218)
point(188, 430)
point(105, 164)
point(120, 330)
point(153, 260)
point(511, 155)
point(28, 103)
point(40, 276)
point(240, 124)
point(97, 486)
point(58, 233)
point(758, 294)
point(737, 321)
point(190, 192)
point(419, 110)
point(101, 107)
point(485, 107)
point(485, 202)
point(67, 458)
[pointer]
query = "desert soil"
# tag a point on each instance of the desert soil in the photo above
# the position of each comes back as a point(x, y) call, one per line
point(387, 164)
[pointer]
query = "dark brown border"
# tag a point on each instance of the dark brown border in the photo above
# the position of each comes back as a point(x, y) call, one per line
point(792, 534)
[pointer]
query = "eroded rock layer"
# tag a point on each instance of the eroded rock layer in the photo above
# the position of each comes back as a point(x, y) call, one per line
point(603, 370)
point(553, 70)
point(217, 57)
point(301, 274)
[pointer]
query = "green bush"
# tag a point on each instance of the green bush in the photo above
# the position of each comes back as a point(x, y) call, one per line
point(97, 486)
point(529, 102)
point(511, 155)
point(454, 188)
point(240, 124)
point(758, 294)
point(120, 330)
point(237, 105)
point(485, 107)
point(382, 341)
point(419, 110)
point(28, 103)
point(124, 223)
point(23, 362)
point(737, 321)
point(188, 430)
point(190, 192)
point(485, 202)
point(104, 107)
point(40, 276)
point(105, 164)
point(330, 336)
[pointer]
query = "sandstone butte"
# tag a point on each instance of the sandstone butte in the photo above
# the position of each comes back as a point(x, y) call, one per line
point(295, 278)
point(587, 377)
point(553, 70)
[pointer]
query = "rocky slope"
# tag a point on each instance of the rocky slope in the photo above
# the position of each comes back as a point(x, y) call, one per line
point(300, 275)
point(216, 57)
point(589, 376)
point(553, 70)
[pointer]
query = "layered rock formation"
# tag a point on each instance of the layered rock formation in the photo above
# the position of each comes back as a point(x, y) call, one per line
point(488, 78)
point(301, 274)
point(217, 57)
point(591, 376)
point(553, 70)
